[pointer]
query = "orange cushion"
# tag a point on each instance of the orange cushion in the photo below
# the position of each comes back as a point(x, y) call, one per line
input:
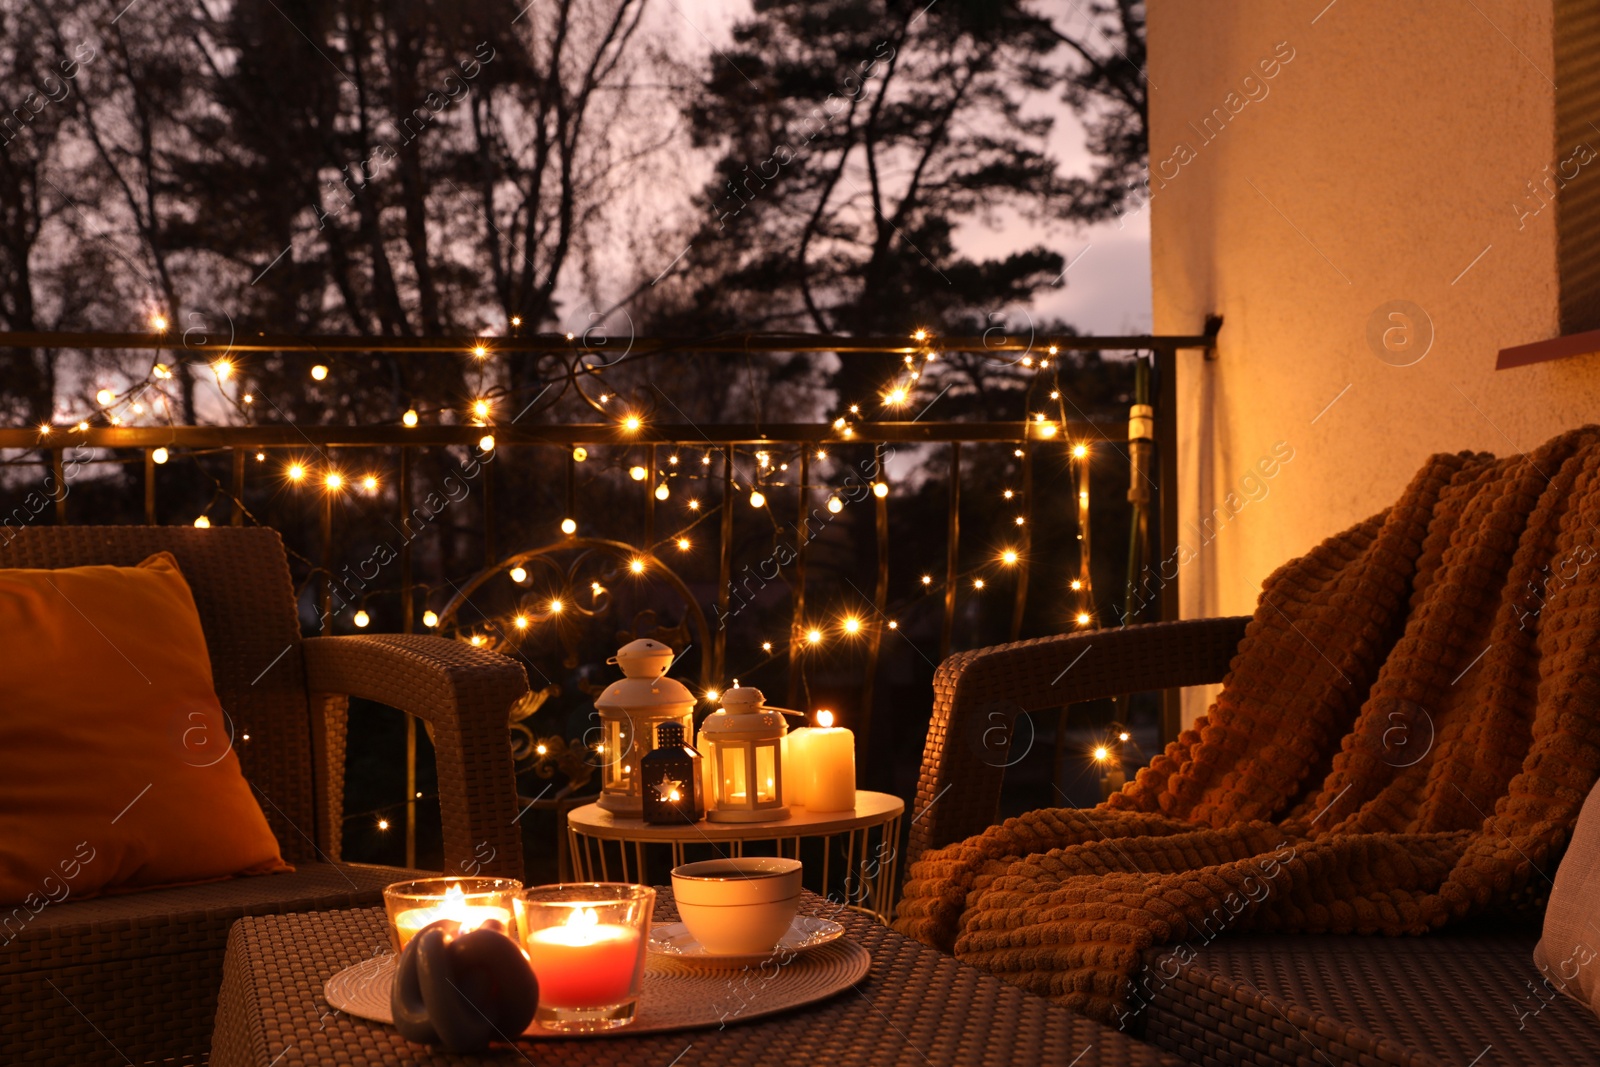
point(110, 735)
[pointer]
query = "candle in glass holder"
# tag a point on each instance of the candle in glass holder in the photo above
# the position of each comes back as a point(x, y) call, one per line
point(829, 767)
point(586, 944)
point(413, 905)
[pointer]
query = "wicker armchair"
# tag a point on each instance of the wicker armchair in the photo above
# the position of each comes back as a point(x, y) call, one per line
point(1468, 994)
point(134, 978)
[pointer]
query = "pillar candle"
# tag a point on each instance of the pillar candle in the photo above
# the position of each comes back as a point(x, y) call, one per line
point(830, 766)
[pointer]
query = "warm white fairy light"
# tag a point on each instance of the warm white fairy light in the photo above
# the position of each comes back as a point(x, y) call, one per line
point(370, 483)
point(766, 646)
point(518, 574)
point(556, 606)
point(410, 417)
point(1076, 584)
point(248, 398)
point(1021, 521)
point(569, 526)
point(361, 619)
point(638, 474)
point(580, 454)
point(104, 397)
point(1079, 451)
point(162, 371)
point(319, 372)
point(1123, 736)
point(636, 565)
point(160, 455)
point(927, 579)
point(1009, 557)
point(1083, 618)
point(44, 429)
point(478, 639)
point(632, 423)
point(383, 824)
point(223, 369)
point(295, 472)
point(880, 489)
point(1008, 494)
point(683, 544)
point(1101, 753)
point(694, 505)
point(480, 407)
point(895, 397)
point(977, 583)
point(203, 523)
point(481, 351)
point(893, 625)
point(520, 622)
point(822, 453)
point(158, 322)
point(430, 619)
point(757, 499)
point(673, 459)
point(486, 442)
point(852, 624)
point(334, 481)
point(261, 457)
point(662, 492)
point(835, 505)
point(705, 460)
point(814, 636)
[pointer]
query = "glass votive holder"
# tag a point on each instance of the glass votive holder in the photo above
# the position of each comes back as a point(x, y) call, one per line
point(586, 941)
point(468, 901)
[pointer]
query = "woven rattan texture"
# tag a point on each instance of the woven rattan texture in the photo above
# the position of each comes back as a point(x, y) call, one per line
point(136, 976)
point(977, 696)
point(916, 1008)
point(1450, 998)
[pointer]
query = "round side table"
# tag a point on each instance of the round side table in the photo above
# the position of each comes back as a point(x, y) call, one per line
point(601, 843)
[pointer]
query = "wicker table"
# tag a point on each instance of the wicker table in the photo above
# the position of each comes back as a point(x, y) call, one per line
point(917, 1008)
point(868, 883)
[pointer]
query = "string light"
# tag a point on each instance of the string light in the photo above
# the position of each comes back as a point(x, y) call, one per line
point(223, 369)
point(705, 460)
point(880, 489)
point(1017, 453)
point(1076, 585)
point(673, 459)
point(383, 824)
point(370, 483)
point(683, 544)
point(855, 409)
point(104, 397)
point(1101, 753)
point(822, 453)
point(541, 749)
point(1083, 618)
point(757, 499)
point(430, 619)
point(44, 429)
point(477, 640)
point(766, 646)
point(637, 473)
point(334, 481)
point(919, 334)
point(295, 472)
point(977, 583)
point(248, 398)
point(569, 526)
point(927, 579)
point(521, 622)
point(361, 618)
point(632, 423)
point(1048, 430)
point(203, 523)
point(1123, 736)
point(519, 574)
point(636, 565)
point(319, 372)
point(1055, 394)
point(516, 320)
point(261, 457)
point(1021, 521)
point(712, 695)
point(480, 408)
point(410, 417)
point(893, 625)
point(852, 625)
point(895, 397)
point(694, 505)
point(158, 322)
point(160, 455)
point(1079, 451)
point(1009, 557)
point(835, 505)
point(814, 637)
point(1008, 494)
point(481, 351)
point(662, 492)
point(162, 371)
point(580, 454)
point(486, 442)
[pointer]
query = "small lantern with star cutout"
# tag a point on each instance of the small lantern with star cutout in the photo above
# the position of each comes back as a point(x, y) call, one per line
point(671, 779)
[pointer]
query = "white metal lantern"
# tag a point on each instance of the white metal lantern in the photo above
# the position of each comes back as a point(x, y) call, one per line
point(630, 710)
point(746, 755)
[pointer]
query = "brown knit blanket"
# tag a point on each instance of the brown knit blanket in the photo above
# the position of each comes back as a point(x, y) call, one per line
point(1404, 739)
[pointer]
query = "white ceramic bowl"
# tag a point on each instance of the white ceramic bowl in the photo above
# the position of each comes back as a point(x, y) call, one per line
point(740, 906)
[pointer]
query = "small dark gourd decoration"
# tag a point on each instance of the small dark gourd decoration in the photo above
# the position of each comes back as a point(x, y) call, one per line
point(461, 991)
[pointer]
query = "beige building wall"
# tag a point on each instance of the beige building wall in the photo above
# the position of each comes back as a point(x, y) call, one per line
point(1388, 158)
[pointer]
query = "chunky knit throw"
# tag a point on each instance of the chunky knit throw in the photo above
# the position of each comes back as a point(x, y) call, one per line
point(1404, 739)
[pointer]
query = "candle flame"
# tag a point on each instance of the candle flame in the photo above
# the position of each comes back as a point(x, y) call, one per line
point(674, 795)
point(825, 718)
point(583, 919)
point(456, 910)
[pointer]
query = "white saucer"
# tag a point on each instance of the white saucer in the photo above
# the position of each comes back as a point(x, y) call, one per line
point(805, 932)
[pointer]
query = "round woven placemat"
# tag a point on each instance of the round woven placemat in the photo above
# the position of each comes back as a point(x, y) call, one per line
point(675, 995)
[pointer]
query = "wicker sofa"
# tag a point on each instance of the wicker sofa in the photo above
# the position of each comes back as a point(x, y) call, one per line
point(1466, 996)
point(134, 978)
